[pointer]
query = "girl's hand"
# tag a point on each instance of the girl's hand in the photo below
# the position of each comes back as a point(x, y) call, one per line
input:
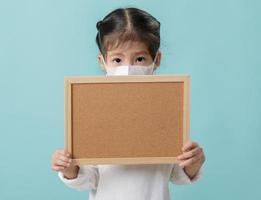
point(192, 155)
point(61, 160)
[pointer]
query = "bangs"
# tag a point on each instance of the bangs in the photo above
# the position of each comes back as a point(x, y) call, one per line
point(114, 40)
point(128, 25)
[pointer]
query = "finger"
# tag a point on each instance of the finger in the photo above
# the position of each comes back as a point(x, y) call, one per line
point(189, 145)
point(64, 158)
point(61, 151)
point(190, 161)
point(64, 153)
point(62, 163)
point(190, 154)
point(58, 168)
point(59, 156)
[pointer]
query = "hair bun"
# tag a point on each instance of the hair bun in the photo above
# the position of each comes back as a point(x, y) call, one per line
point(98, 25)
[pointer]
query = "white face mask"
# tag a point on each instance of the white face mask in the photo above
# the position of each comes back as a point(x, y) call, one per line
point(130, 69)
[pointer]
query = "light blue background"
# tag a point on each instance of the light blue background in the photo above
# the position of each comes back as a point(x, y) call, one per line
point(216, 42)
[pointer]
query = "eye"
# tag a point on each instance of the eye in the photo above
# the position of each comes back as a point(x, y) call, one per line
point(117, 60)
point(140, 59)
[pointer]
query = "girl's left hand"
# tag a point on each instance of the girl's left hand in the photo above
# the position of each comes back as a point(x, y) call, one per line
point(192, 154)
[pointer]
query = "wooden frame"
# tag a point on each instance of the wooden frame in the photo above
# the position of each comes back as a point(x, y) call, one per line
point(84, 81)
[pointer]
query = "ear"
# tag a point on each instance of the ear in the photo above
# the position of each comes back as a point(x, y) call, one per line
point(158, 59)
point(99, 57)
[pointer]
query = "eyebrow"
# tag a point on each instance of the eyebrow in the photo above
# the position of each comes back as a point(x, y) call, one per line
point(116, 54)
point(136, 53)
point(141, 52)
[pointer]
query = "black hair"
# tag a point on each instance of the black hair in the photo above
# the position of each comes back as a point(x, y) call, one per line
point(128, 24)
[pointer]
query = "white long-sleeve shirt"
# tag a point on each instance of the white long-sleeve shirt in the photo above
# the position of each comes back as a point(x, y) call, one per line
point(129, 182)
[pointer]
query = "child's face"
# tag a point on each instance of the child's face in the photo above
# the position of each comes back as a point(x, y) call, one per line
point(129, 53)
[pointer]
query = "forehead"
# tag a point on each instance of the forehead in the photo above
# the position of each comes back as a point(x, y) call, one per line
point(129, 48)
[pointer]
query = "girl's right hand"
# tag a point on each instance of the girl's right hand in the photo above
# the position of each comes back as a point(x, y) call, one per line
point(61, 161)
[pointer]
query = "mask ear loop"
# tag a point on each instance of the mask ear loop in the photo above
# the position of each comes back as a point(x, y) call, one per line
point(154, 64)
point(104, 65)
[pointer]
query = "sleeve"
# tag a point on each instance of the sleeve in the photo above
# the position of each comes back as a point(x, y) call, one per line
point(87, 178)
point(179, 177)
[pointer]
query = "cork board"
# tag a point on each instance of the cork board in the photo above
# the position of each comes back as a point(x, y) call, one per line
point(136, 119)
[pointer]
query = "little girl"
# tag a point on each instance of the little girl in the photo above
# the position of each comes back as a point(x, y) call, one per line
point(129, 41)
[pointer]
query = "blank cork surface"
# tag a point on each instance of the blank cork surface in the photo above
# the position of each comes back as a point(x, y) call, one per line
point(132, 119)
